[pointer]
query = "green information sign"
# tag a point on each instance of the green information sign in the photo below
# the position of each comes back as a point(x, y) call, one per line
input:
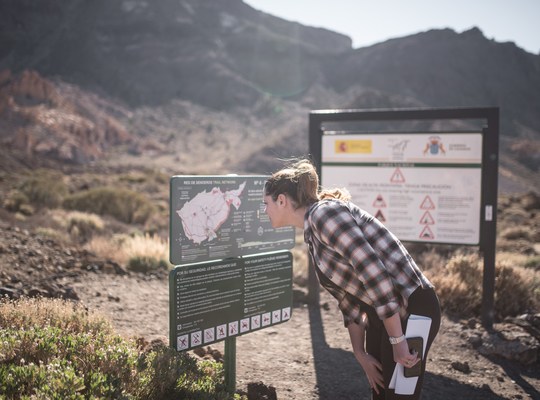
point(217, 217)
point(212, 301)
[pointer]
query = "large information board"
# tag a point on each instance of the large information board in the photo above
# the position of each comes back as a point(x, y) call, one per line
point(216, 217)
point(213, 301)
point(423, 186)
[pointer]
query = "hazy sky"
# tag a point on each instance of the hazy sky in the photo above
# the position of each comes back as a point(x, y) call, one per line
point(374, 21)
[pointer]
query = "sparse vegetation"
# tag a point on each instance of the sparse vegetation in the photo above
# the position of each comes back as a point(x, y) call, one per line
point(459, 286)
point(53, 349)
point(44, 188)
point(83, 225)
point(17, 201)
point(142, 253)
point(123, 204)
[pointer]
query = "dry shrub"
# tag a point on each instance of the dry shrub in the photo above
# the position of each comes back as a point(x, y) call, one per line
point(533, 263)
point(123, 204)
point(519, 246)
point(70, 317)
point(16, 201)
point(430, 260)
point(460, 287)
point(148, 250)
point(518, 232)
point(44, 188)
point(81, 226)
point(517, 290)
point(53, 234)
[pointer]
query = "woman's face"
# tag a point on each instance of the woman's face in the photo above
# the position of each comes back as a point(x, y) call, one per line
point(274, 212)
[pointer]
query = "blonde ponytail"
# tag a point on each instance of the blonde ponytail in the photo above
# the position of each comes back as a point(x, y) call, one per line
point(300, 182)
point(338, 194)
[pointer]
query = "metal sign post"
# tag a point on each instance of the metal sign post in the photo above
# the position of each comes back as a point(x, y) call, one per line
point(229, 364)
point(431, 187)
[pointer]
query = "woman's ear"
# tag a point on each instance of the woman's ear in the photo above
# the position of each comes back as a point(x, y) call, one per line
point(281, 199)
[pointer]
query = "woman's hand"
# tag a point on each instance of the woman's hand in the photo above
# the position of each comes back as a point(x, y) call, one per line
point(403, 356)
point(372, 368)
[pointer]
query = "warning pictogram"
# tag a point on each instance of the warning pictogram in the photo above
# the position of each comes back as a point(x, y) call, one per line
point(427, 204)
point(196, 338)
point(256, 321)
point(244, 325)
point(222, 332)
point(276, 316)
point(427, 219)
point(209, 335)
point(233, 328)
point(379, 202)
point(397, 177)
point(380, 216)
point(427, 233)
point(182, 342)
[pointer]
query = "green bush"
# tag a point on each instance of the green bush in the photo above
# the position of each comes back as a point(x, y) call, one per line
point(51, 349)
point(146, 264)
point(123, 204)
point(44, 188)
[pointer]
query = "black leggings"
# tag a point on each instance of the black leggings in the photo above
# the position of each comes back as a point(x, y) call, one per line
point(421, 302)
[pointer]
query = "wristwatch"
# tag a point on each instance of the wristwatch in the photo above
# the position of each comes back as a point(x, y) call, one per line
point(396, 340)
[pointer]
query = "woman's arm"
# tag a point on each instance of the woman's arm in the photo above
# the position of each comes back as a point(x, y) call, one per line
point(371, 366)
point(401, 351)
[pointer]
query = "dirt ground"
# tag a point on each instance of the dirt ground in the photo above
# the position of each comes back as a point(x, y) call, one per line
point(309, 357)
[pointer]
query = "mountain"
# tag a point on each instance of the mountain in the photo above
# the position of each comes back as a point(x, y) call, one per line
point(215, 53)
point(200, 76)
point(441, 68)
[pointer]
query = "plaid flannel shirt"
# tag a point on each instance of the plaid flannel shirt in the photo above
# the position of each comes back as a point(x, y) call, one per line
point(361, 259)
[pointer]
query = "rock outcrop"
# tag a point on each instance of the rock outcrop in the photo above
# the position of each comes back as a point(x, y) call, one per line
point(44, 118)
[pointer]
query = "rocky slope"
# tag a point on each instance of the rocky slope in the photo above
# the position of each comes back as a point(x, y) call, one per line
point(41, 118)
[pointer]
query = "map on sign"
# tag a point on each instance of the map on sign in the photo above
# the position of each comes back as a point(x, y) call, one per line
point(203, 215)
point(217, 217)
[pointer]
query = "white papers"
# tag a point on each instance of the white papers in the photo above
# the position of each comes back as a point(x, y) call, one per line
point(418, 326)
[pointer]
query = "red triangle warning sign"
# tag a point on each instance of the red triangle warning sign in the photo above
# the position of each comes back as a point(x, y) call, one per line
point(379, 202)
point(427, 233)
point(380, 216)
point(427, 204)
point(427, 219)
point(397, 177)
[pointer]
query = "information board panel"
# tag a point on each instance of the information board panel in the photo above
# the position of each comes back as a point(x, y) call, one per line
point(216, 217)
point(424, 187)
point(210, 302)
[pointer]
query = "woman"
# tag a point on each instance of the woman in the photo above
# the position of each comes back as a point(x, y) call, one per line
point(363, 265)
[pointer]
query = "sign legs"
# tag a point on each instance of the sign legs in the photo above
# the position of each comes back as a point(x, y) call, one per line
point(229, 364)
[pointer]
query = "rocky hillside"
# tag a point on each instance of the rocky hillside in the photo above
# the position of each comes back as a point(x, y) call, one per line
point(42, 118)
point(194, 76)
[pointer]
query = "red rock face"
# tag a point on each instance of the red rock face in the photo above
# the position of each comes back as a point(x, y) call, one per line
point(52, 119)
